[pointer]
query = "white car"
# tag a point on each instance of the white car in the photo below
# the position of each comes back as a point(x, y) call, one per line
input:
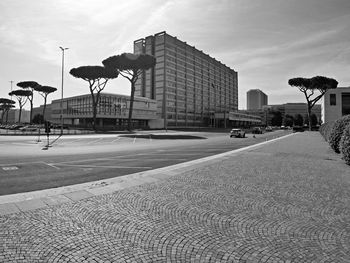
point(28, 128)
point(238, 133)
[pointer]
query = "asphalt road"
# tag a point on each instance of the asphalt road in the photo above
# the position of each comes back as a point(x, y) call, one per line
point(27, 165)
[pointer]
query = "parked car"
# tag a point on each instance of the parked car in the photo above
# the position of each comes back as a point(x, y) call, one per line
point(15, 127)
point(28, 128)
point(257, 130)
point(58, 126)
point(237, 133)
point(268, 129)
point(298, 128)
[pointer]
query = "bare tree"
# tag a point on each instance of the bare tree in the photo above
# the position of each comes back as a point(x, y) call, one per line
point(22, 97)
point(97, 77)
point(313, 89)
point(44, 91)
point(130, 66)
point(29, 85)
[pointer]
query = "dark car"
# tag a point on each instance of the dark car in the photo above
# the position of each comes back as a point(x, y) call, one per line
point(257, 130)
point(298, 129)
point(268, 129)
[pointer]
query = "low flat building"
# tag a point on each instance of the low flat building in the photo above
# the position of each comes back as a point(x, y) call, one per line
point(240, 119)
point(13, 116)
point(336, 103)
point(112, 111)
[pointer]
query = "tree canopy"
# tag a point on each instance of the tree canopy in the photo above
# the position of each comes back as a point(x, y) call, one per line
point(27, 84)
point(21, 93)
point(97, 77)
point(45, 89)
point(93, 73)
point(130, 66)
point(309, 86)
point(129, 61)
point(6, 101)
point(313, 88)
point(5, 106)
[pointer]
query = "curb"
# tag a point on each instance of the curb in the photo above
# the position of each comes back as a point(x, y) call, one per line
point(22, 202)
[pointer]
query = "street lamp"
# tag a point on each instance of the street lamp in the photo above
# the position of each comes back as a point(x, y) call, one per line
point(63, 49)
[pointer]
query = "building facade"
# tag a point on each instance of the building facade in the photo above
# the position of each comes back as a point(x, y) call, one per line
point(189, 86)
point(336, 103)
point(269, 112)
point(13, 116)
point(112, 111)
point(256, 99)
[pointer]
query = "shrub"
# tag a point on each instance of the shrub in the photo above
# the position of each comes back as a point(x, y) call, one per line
point(344, 144)
point(337, 132)
point(325, 130)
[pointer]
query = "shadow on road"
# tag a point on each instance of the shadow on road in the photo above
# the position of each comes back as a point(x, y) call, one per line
point(164, 136)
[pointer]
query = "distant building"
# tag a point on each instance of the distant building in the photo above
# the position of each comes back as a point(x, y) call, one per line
point(189, 86)
point(39, 110)
point(268, 112)
point(336, 103)
point(13, 116)
point(256, 99)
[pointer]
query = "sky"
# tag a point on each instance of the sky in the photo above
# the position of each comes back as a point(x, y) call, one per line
point(266, 41)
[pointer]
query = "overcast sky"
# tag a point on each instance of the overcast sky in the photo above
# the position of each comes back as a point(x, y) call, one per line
point(265, 41)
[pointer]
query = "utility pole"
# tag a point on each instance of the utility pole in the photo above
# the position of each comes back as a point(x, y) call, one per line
point(63, 49)
point(11, 81)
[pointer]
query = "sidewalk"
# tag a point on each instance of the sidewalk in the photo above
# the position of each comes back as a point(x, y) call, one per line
point(283, 201)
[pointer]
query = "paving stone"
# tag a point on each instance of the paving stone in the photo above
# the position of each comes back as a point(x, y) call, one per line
point(78, 195)
point(55, 200)
point(253, 207)
point(9, 208)
point(28, 205)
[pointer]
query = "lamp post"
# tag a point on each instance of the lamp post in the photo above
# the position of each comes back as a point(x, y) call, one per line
point(63, 49)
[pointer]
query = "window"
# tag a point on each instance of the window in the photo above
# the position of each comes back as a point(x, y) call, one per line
point(345, 103)
point(332, 99)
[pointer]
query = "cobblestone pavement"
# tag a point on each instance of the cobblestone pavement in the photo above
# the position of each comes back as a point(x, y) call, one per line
point(288, 201)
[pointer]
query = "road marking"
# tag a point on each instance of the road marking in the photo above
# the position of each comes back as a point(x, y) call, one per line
point(51, 165)
point(69, 142)
point(10, 168)
point(8, 164)
point(116, 139)
point(94, 141)
point(26, 144)
point(180, 153)
point(101, 166)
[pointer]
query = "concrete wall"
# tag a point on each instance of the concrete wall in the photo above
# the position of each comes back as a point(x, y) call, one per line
point(333, 112)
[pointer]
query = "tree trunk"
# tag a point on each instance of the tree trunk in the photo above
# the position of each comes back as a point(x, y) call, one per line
point(131, 105)
point(2, 116)
point(94, 112)
point(7, 115)
point(44, 107)
point(309, 116)
point(20, 113)
point(31, 110)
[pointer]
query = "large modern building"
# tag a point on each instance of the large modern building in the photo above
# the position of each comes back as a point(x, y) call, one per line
point(256, 99)
point(189, 86)
point(112, 111)
point(336, 103)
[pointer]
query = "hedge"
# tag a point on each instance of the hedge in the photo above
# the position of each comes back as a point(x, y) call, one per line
point(325, 130)
point(337, 132)
point(344, 144)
